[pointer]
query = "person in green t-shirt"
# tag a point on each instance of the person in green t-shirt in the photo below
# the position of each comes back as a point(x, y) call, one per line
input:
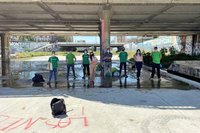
point(123, 56)
point(54, 60)
point(70, 62)
point(85, 63)
point(156, 55)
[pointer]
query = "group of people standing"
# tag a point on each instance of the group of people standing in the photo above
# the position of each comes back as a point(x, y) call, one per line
point(89, 62)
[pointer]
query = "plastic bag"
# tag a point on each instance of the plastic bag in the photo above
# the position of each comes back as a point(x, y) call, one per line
point(116, 74)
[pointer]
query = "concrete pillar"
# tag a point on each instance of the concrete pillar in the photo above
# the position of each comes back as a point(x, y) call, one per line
point(95, 48)
point(5, 47)
point(196, 45)
point(100, 37)
point(105, 16)
point(5, 54)
point(183, 43)
point(5, 65)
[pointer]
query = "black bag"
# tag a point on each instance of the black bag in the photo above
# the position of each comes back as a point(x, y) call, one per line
point(58, 107)
point(38, 78)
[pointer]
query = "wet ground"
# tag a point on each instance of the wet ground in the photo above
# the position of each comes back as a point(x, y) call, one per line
point(21, 73)
point(112, 105)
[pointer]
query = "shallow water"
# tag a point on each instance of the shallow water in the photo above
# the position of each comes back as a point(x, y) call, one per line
point(18, 74)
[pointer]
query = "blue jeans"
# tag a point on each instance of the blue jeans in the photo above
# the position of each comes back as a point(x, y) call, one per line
point(108, 65)
point(139, 67)
point(55, 74)
point(68, 68)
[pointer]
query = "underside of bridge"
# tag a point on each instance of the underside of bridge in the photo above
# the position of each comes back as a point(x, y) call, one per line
point(84, 18)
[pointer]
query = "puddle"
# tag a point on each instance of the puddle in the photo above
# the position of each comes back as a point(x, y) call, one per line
point(18, 74)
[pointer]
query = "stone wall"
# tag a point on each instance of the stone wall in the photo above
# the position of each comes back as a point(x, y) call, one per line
point(190, 68)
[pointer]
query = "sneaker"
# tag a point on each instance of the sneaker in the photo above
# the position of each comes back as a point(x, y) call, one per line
point(48, 83)
point(83, 77)
point(159, 79)
point(151, 79)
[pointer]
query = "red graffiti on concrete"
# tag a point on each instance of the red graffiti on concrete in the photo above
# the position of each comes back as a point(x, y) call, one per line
point(65, 124)
point(17, 122)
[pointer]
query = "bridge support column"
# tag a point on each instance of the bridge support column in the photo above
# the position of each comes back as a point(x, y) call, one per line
point(100, 37)
point(95, 48)
point(5, 47)
point(196, 44)
point(105, 16)
point(5, 54)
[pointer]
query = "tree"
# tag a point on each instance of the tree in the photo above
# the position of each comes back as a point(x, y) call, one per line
point(155, 37)
point(26, 38)
point(163, 51)
point(64, 39)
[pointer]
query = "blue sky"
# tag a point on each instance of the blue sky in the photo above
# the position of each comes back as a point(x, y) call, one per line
point(93, 39)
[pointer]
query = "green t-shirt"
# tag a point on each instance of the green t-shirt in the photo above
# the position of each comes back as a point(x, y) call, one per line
point(70, 58)
point(123, 56)
point(54, 61)
point(156, 57)
point(85, 59)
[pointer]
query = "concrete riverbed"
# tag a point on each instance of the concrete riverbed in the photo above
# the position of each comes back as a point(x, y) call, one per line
point(112, 105)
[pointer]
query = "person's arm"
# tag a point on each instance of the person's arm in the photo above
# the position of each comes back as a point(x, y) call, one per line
point(160, 56)
point(57, 63)
point(74, 60)
point(82, 60)
point(126, 56)
point(66, 60)
point(110, 57)
point(95, 61)
point(91, 62)
point(49, 61)
point(119, 56)
point(105, 57)
point(49, 66)
point(134, 56)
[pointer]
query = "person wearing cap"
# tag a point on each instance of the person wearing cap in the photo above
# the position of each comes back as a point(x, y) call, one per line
point(70, 62)
point(54, 60)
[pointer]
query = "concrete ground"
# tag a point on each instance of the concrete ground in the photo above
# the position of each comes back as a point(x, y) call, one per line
point(110, 106)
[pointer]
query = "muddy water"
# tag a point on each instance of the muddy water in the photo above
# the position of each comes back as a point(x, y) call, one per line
point(18, 74)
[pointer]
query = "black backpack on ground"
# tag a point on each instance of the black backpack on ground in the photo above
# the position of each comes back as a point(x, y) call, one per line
point(58, 107)
point(38, 78)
